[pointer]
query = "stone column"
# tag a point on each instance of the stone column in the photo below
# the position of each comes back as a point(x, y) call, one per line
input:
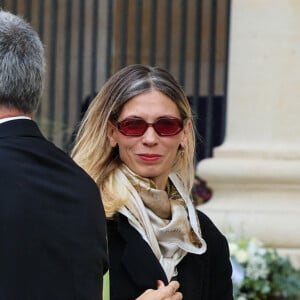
point(255, 174)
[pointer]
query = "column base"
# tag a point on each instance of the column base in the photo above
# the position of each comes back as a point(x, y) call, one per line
point(255, 198)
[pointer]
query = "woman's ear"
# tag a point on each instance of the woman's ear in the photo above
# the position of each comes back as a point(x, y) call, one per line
point(186, 132)
point(111, 134)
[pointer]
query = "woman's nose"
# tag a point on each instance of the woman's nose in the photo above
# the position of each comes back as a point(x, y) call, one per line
point(150, 136)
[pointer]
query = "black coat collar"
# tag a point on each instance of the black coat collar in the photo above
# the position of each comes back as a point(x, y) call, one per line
point(19, 127)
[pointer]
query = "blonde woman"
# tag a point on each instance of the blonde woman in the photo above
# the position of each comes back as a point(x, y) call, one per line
point(137, 141)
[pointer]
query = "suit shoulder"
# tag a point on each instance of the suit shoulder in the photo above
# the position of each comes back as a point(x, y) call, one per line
point(204, 219)
point(68, 160)
point(209, 228)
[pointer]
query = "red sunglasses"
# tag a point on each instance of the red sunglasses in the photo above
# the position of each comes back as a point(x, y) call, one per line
point(164, 126)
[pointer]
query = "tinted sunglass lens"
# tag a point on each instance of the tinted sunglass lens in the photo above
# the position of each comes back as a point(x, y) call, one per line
point(167, 126)
point(134, 127)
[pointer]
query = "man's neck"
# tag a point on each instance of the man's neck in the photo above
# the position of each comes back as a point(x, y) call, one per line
point(12, 112)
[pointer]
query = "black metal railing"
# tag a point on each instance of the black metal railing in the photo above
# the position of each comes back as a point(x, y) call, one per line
point(87, 41)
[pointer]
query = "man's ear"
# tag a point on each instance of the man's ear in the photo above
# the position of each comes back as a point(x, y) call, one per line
point(111, 134)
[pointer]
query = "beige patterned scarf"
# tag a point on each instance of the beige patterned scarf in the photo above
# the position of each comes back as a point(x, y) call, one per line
point(166, 221)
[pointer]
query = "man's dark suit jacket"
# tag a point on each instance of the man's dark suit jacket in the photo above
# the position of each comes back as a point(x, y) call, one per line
point(134, 268)
point(52, 224)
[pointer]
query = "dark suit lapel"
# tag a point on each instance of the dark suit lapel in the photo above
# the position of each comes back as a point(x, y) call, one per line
point(144, 269)
point(192, 273)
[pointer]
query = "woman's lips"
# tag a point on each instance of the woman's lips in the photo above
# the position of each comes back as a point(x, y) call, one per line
point(149, 157)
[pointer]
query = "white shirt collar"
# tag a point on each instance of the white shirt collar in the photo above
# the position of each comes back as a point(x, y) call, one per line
point(13, 118)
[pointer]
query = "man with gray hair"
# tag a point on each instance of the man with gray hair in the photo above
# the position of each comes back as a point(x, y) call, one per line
point(52, 223)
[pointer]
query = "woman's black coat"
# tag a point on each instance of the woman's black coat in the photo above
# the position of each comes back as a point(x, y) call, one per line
point(134, 267)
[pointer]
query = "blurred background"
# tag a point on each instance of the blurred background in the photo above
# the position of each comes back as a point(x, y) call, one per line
point(86, 41)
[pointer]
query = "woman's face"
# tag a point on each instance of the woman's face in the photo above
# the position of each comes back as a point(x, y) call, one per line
point(149, 155)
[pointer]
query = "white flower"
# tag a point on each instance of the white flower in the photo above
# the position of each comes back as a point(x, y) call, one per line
point(257, 268)
point(233, 248)
point(241, 256)
point(253, 269)
point(261, 251)
point(254, 246)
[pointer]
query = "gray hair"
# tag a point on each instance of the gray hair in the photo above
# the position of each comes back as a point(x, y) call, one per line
point(22, 64)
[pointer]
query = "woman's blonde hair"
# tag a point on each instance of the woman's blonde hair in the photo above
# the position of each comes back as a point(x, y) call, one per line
point(92, 150)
